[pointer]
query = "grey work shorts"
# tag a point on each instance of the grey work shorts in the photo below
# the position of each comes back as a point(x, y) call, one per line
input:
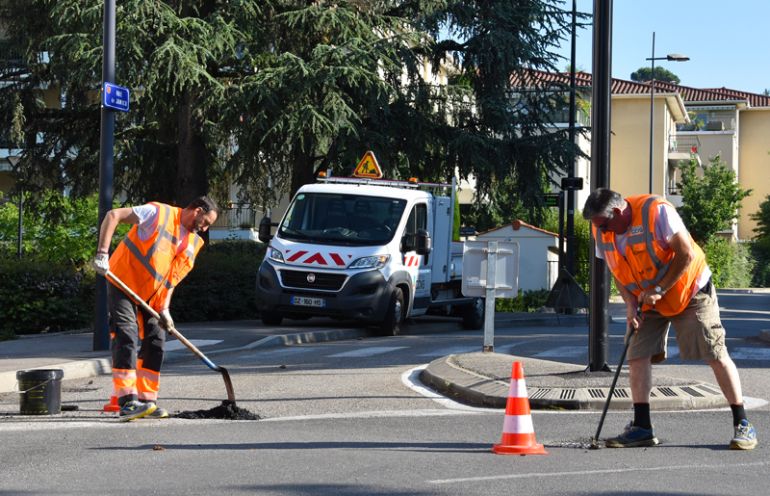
point(699, 331)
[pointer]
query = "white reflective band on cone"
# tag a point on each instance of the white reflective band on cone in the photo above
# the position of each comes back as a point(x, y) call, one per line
point(518, 424)
point(518, 389)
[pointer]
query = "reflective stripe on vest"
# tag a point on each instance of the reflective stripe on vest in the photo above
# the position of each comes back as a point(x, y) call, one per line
point(153, 267)
point(165, 212)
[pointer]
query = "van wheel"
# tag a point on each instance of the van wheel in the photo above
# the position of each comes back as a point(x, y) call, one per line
point(394, 317)
point(271, 318)
point(473, 314)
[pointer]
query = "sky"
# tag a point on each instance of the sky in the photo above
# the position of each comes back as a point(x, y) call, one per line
point(728, 42)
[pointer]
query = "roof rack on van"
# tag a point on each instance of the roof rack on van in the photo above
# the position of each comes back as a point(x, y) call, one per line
point(383, 182)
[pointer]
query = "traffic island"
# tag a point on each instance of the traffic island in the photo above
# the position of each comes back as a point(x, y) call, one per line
point(483, 379)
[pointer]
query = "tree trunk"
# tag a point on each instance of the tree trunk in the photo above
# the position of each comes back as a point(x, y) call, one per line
point(303, 172)
point(192, 156)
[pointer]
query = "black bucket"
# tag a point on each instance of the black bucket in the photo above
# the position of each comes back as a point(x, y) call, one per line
point(40, 391)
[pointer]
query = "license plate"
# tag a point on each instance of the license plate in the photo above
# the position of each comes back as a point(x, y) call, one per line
point(305, 301)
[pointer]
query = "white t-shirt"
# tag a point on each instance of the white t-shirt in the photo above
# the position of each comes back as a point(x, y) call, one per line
point(667, 224)
point(148, 223)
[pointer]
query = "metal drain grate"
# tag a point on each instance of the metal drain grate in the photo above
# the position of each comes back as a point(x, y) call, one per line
point(692, 392)
point(540, 393)
point(596, 393)
point(709, 389)
point(567, 394)
point(620, 393)
point(667, 391)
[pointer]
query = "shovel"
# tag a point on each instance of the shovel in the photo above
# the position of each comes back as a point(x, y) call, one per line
point(147, 308)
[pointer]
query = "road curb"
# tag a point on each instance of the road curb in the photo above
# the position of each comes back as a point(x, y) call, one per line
point(569, 389)
point(80, 369)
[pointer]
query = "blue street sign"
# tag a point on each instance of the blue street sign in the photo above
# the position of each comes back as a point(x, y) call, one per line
point(115, 97)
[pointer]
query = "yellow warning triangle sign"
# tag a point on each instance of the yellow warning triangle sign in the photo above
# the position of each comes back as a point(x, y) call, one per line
point(368, 167)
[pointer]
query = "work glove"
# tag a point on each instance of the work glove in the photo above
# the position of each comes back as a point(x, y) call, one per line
point(165, 319)
point(101, 263)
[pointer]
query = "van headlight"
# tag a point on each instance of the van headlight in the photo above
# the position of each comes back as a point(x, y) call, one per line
point(275, 255)
point(371, 262)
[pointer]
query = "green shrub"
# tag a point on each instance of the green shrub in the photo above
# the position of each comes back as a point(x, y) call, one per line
point(41, 296)
point(526, 301)
point(731, 264)
point(222, 285)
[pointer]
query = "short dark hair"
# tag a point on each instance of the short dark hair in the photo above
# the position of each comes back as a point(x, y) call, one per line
point(601, 202)
point(204, 203)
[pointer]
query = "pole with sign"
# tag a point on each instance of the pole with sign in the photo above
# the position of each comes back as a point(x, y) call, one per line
point(490, 270)
point(101, 337)
point(115, 97)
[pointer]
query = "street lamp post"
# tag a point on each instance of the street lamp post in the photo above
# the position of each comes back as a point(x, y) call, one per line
point(674, 57)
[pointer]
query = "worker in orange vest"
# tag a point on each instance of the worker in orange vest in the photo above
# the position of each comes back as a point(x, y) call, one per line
point(657, 264)
point(156, 254)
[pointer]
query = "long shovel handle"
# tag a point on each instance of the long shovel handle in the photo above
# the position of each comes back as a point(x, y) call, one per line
point(612, 391)
point(172, 330)
point(614, 381)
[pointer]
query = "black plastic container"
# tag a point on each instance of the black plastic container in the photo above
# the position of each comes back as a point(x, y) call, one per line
point(40, 391)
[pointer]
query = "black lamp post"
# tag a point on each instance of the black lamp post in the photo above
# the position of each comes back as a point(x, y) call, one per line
point(674, 57)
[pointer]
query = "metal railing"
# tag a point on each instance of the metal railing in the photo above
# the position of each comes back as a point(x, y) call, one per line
point(238, 216)
point(683, 143)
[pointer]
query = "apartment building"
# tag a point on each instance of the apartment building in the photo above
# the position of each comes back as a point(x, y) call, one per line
point(687, 123)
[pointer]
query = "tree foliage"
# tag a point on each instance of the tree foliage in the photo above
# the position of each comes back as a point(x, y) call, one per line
point(711, 201)
point(760, 247)
point(264, 93)
point(62, 230)
point(661, 74)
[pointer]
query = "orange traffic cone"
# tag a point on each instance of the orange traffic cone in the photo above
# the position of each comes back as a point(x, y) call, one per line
point(112, 406)
point(518, 431)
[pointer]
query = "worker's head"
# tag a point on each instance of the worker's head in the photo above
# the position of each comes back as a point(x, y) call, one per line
point(200, 214)
point(607, 211)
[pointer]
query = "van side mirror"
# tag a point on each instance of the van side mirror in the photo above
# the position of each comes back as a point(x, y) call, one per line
point(264, 229)
point(407, 243)
point(423, 242)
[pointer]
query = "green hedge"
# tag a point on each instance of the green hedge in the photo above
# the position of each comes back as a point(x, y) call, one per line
point(222, 285)
point(526, 301)
point(731, 263)
point(43, 296)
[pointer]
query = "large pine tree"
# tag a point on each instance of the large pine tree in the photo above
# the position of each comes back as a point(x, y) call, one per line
point(264, 93)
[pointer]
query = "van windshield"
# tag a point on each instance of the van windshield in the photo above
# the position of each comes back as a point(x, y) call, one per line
point(329, 218)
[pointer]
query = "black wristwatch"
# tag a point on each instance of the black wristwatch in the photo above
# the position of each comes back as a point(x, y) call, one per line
point(659, 291)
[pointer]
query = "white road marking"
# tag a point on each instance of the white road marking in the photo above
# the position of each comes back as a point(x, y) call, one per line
point(563, 351)
point(596, 472)
point(750, 354)
point(199, 343)
point(425, 412)
point(366, 352)
point(411, 379)
point(452, 350)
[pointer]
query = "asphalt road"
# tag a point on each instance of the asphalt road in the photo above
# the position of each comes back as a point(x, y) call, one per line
point(348, 418)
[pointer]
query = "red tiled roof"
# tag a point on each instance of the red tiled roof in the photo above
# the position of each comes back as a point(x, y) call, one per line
point(625, 87)
point(516, 225)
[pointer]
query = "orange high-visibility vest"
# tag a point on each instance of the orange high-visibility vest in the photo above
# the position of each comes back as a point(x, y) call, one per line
point(152, 267)
point(645, 262)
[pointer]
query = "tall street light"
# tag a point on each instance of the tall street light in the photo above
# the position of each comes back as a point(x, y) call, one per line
point(674, 57)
